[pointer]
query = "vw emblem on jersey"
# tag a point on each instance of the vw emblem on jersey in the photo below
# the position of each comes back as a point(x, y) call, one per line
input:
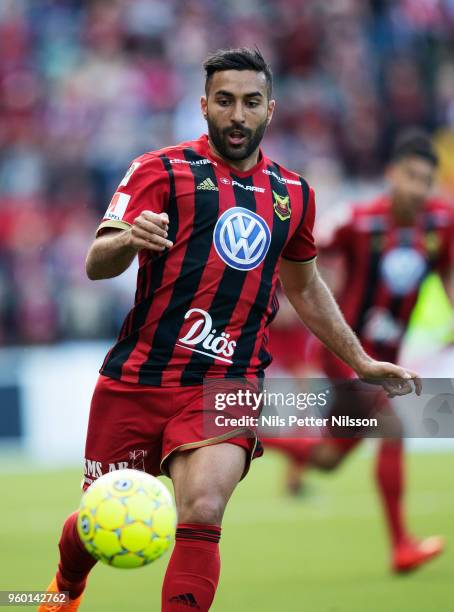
point(402, 269)
point(241, 238)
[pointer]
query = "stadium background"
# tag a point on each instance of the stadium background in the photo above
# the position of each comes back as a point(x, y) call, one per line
point(84, 88)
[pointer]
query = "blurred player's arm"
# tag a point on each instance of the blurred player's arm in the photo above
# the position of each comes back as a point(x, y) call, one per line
point(115, 249)
point(317, 308)
point(334, 237)
point(446, 266)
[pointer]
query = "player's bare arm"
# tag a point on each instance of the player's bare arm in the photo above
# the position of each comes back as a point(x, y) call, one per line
point(317, 308)
point(113, 252)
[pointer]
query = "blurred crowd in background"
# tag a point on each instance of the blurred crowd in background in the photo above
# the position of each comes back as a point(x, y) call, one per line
point(86, 86)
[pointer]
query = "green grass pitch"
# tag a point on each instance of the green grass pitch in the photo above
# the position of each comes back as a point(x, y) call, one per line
point(326, 552)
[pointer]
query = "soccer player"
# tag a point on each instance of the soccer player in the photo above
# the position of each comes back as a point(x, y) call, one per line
point(388, 247)
point(213, 222)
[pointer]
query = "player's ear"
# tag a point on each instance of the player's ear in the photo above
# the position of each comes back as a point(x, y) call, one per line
point(204, 106)
point(270, 111)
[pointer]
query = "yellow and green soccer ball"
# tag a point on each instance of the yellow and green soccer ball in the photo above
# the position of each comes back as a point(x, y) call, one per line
point(127, 519)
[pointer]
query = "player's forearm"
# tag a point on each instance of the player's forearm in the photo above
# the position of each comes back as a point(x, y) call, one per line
point(109, 256)
point(318, 309)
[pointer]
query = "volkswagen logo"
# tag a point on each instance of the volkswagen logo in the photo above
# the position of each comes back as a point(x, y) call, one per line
point(402, 269)
point(241, 238)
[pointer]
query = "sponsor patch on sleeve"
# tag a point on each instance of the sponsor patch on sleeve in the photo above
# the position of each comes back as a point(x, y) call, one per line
point(117, 206)
point(132, 168)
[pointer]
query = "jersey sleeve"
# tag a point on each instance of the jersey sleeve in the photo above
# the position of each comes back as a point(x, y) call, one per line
point(445, 261)
point(334, 231)
point(301, 246)
point(145, 186)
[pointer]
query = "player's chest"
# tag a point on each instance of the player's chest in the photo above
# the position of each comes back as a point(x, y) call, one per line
point(245, 218)
point(381, 242)
point(214, 191)
point(399, 258)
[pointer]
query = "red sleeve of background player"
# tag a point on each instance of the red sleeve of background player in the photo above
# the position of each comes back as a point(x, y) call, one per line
point(445, 261)
point(301, 246)
point(145, 186)
point(334, 232)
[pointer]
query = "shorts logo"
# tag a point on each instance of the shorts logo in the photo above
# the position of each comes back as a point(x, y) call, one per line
point(202, 335)
point(137, 459)
point(117, 206)
point(95, 469)
point(241, 238)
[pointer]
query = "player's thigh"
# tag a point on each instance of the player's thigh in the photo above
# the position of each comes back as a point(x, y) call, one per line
point(207, 475)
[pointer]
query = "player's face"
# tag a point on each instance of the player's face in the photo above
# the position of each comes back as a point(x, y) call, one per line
point(411, 180)
point(237, 111)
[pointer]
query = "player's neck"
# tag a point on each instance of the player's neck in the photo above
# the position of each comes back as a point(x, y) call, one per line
point(242, 165)
point(403, 215)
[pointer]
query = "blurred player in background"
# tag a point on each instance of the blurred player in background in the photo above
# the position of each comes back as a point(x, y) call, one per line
point(288, 342)
point(209, 220)
point(387, 248)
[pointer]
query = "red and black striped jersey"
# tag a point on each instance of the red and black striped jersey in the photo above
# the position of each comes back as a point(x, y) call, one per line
point(202, 307)
point(385, 266)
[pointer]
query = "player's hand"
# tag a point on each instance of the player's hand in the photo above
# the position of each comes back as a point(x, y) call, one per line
point(394, 379)
point(149, 231)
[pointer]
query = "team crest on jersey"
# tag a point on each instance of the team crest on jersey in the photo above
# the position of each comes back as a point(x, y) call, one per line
point(432, 243)
point(241, 238)
point(377, 242)
point(281, 206)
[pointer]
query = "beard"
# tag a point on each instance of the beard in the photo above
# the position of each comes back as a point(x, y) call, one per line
point(220, 139)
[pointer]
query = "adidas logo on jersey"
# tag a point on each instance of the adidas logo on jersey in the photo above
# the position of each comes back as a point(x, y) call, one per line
point(207, 185)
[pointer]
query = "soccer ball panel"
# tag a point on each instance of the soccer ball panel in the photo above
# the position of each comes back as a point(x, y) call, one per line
point(140, 507)
point(156, 549)
point(111, 514)
point(107, 542)
point(127, 561)
point(164, 520)
point(136, 536)
point(93, 496)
